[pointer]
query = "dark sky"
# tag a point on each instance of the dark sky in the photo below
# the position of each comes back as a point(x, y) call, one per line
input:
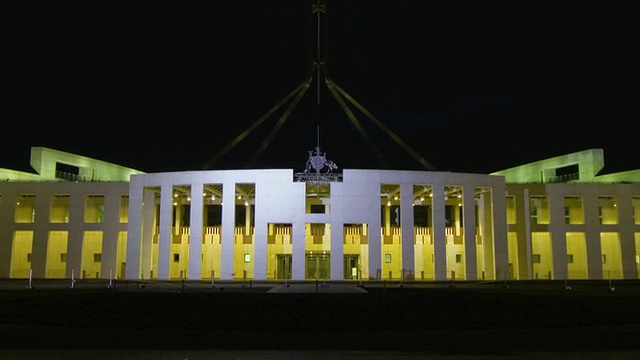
point(472, 86)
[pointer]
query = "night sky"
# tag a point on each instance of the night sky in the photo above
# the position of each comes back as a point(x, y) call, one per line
point(472, 86)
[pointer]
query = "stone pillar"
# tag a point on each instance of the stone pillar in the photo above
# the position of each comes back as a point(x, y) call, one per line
point(439, 239)
point(166, 229)
point(228, 228)
point(469, 226)
point(337, 251)
point(407, 234)
point(195, 232)
point(298, 258)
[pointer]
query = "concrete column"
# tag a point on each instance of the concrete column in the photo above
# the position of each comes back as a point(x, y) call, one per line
point(497, 252)
point(408, 237)
point(298, 258)
point(149, 224)
point(372, 218)
point(166, 229)
point(439, 239)
point(195, 233)
point(592, 230)
point(111, 226)
point(7, 226)
point(387, 220)
point(228, 225)
point(469, 226)
point(76, 236)
point(558, 236)
point(134, 229)
point(40, 235)
point(527, 233)
point(627, 237)
point(247, 219)
point(337, 251)
point(260, 233)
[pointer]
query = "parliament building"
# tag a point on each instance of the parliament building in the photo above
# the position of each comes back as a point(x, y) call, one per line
point(558, 218)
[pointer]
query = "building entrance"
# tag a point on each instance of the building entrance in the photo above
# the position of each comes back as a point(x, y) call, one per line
point(283, 267)
point(317, 266)
point(351, 267)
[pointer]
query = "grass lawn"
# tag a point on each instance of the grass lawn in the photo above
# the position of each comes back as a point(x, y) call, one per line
point(412, 319)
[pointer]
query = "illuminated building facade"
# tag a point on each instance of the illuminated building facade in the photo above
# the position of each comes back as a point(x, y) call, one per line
point(553, 219)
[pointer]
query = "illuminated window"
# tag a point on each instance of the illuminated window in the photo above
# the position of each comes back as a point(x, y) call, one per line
point(573, 212)
point(539, 209)
point(59, 208)
point(25, 210)
point(607, 210)
point(635, 202)
point(94, 209)
point(123, 212)
point(317, 199)
point(511, 209)
point(247, 257)
point(387, 257)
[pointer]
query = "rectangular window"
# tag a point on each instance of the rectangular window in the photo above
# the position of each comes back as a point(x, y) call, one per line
point(604, 258)
point(535, 258)
point(567, 173)
point(607, 210)
point(59, 208)
point(569, 258)
point(123, 211)
point(635, 205)
point(176, 257)
point(247, 257)
point(511, 209)
point(539, 209)
point(29, 257)
point(97, 257)
point(387, 258)
point(317, 199)
point(63, 257)
point(25, 210)
point(67, 172)
point(458, 258)
point(94, 208)
point(573, 211)
point(316, 209)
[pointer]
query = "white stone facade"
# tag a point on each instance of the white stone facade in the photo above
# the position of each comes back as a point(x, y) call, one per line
point(279, 199)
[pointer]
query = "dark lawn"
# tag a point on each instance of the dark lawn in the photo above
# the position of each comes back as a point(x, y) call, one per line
point(449, 319)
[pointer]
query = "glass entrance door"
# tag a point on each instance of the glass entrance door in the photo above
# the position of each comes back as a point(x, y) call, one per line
point(283, 266)
point(317, 266)
point(351, 266)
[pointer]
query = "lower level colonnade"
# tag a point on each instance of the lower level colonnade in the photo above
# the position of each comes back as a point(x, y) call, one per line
point(314, 260)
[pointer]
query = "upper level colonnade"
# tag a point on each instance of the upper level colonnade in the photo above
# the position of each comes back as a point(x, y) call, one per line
point(387, 204)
